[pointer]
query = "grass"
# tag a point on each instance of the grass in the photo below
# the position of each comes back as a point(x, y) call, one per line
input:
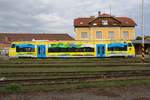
point(100, 84)
point(71, 69)
point(79, 60)
point(12, 88)
point(72, 62)
point(37, 66)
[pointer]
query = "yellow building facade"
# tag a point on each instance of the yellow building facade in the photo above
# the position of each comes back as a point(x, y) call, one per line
point(104, 27)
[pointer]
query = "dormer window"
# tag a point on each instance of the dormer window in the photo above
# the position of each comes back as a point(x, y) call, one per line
point(94, 24)
point(114, 24)
point(81, 23)
point(127, 22)
point(104, 22)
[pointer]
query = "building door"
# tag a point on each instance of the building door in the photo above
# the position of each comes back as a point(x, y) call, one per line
point(100, 50)
point(41, 49)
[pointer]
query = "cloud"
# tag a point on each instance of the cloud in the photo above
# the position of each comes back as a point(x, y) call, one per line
point(57, 16)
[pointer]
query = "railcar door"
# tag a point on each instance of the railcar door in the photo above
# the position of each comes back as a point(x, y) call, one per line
point(100, 50)
point(41, 51)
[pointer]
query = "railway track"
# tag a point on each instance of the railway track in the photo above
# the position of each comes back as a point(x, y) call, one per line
point(76, 78)
point(74, 73)
point(75, 65)
point(74, 60)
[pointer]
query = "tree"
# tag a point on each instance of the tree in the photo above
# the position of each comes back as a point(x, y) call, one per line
point(140, 38)
point(147, 37)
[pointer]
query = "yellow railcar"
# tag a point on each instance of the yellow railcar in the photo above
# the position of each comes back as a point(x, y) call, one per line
point(43, 49)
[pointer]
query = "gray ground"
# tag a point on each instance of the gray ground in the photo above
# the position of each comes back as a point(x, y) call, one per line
point(122, 93)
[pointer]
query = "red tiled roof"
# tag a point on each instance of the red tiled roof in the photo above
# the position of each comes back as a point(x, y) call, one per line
point(105, 15)
point(10, 37)
point(85, 22)
point(82, 21)
point(125, 21)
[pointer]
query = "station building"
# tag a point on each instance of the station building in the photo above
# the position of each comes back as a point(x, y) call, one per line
point(104, 27)
point(108, 27)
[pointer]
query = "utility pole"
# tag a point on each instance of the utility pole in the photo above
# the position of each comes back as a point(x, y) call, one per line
point(110, 9)
point(142, 27)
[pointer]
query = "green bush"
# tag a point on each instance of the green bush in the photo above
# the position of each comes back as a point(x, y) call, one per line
point(13, 88)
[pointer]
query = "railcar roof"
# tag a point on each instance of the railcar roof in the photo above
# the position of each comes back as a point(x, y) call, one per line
point(46, 42)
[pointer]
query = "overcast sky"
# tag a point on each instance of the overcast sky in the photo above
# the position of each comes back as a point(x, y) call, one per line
point(56, 16)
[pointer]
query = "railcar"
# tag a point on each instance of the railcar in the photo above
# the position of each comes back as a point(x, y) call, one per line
point(44, 49)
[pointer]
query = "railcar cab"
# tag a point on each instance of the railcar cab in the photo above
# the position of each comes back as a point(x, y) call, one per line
point(22, 50)
point(12, 50)
point(131, 49)
point(123, 49)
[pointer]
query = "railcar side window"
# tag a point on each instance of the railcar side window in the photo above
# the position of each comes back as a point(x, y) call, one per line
point(71, 49)
point(117, 48)
point(25, 49)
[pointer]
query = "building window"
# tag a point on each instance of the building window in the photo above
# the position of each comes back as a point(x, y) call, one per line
point(98, 35)
point(84, 35)
point(104, 22)
point(81, 22)
point(111, 35)
point(125, 34)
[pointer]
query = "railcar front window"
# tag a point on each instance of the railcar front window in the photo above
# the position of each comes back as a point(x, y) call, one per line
point(13, 45)
point(129, 45)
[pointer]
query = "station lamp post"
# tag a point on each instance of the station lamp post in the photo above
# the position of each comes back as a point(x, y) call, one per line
point(142, 27)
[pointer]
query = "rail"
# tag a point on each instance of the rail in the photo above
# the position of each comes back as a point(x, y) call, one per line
point(76, 79)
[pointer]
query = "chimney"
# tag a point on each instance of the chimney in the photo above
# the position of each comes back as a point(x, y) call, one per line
point(92, 16)
point(6, 39)
point(99, 13)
